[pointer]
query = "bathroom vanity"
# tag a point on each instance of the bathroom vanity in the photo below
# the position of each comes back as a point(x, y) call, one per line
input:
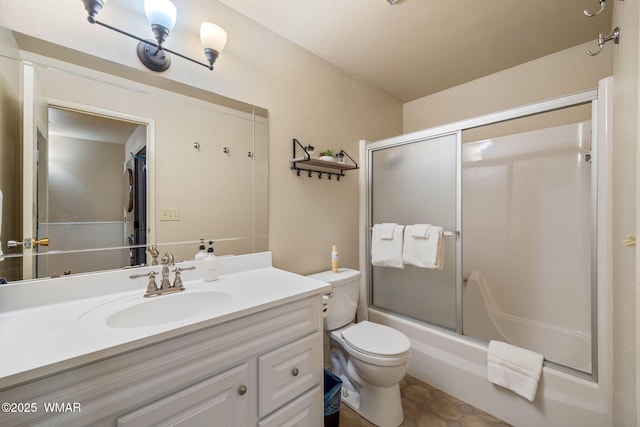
point(247, 350)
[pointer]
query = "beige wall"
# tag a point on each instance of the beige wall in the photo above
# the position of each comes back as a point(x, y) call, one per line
point(85, 180)
point(558, 74)
point(307, 98)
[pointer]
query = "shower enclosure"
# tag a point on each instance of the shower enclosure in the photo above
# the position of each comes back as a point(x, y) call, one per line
point(516, 195)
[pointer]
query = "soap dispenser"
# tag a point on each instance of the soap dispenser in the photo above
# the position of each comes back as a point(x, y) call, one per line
point(201, 250)
point(210, 265)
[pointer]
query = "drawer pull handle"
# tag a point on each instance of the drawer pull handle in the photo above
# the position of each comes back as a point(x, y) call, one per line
point(242, 390)
point(295, 372)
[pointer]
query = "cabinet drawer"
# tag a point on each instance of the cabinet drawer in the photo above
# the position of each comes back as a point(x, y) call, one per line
point(288, 372)
point(306, 411)
point(222, 400)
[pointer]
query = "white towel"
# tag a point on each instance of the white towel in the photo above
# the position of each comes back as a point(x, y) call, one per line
point(515, 368)
point(425, 252)
point(387, 252)
point(421, 230)
point(386, 230)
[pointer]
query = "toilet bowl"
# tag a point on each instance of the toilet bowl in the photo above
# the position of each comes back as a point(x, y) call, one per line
point(371, 359)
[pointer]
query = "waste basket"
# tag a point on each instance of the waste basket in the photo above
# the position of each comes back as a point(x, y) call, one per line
point(332, 388)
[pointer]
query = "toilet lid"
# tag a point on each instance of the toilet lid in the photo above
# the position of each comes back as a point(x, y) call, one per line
point(374, 338)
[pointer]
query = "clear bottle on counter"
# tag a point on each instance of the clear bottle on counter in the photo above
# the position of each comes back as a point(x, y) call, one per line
point(210, 265)
point(201, 250)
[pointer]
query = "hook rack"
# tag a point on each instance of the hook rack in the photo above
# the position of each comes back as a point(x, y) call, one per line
point(321, 167)
point(615, 36)
point(591, 15)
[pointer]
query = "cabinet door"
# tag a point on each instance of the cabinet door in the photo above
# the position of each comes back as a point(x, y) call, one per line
point(223, 400)
point(289, 371)
point(305, 411)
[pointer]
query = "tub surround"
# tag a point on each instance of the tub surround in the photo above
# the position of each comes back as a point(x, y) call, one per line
point(44, 327)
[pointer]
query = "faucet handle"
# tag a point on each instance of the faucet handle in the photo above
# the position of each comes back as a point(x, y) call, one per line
point(152, 287)
point(177, 282)
point(149, 274)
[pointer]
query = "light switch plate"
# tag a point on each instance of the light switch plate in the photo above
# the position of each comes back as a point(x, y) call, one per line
point(167, 214)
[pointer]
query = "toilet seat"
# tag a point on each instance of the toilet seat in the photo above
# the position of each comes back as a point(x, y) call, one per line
point(375, 340)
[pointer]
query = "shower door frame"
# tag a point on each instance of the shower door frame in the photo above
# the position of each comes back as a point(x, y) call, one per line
point(456, 128)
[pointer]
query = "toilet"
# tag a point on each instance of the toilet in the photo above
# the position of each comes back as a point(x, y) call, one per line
point(370, 358)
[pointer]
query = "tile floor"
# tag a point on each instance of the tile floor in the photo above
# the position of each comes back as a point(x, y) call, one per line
point(426, 406)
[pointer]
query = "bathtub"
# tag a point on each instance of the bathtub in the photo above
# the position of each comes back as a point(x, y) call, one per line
point(484, 318)
point(457, 365)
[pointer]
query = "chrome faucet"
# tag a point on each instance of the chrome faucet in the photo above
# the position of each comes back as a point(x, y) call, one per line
point(153, 251)
point(165, 285)
point(166, 261)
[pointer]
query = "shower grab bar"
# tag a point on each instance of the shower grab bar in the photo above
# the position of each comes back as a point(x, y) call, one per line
point(444, 232)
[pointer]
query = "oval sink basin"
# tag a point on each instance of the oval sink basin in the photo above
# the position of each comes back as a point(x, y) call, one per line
point(141, 312)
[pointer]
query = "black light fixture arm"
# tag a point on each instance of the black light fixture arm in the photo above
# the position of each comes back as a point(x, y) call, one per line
point(149, 42)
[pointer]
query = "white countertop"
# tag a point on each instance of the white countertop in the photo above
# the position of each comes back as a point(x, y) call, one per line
point(42, 339)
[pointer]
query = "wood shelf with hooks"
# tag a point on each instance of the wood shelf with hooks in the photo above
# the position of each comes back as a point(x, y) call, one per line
point(310, 165)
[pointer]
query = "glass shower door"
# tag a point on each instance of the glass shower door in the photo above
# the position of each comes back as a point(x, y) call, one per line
point(415, 183)
point(527, 243)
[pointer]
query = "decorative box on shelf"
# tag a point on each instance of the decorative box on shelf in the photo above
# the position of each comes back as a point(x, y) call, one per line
point(323, 165)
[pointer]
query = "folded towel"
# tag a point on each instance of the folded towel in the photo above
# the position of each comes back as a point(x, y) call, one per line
point(424, 252)
point(386, 230)
point(420, 230)
point(515, 368)
point(387, 252)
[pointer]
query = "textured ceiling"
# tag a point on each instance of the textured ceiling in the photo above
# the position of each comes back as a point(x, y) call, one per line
point(418, 47)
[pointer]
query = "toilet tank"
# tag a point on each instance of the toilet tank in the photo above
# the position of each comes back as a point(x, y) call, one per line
point(345, 285)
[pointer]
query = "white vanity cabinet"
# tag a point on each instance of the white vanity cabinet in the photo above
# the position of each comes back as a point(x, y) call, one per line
point(222, 398)
point(262, 369)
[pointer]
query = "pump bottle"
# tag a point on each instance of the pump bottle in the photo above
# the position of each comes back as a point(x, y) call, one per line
point(210, 265)
point(201, 250)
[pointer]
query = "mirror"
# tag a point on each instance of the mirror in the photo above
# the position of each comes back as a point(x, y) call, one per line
point(103, 166)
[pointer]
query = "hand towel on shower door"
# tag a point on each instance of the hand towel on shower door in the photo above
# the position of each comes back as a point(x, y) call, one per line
point(515, 368)
point(424, 246)
point(387, 252)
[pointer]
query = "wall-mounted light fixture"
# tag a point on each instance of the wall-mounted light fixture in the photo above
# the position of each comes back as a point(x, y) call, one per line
point(162, 14)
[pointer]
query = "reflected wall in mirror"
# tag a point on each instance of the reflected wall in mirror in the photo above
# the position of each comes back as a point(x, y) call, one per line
point(91, 192)
point(206, 170)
